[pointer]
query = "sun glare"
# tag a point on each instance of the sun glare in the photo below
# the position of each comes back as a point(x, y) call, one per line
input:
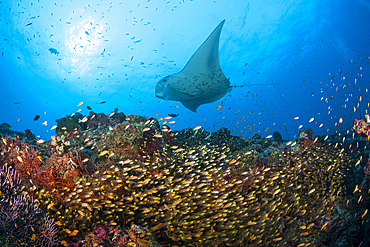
point(84, 38)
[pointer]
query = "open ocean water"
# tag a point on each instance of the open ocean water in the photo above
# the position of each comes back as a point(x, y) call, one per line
point(279, 157)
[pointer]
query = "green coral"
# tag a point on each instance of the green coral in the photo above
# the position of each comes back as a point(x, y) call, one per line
point(67, 124)
point(123, 141)
point(128, 132)
point(5, 126)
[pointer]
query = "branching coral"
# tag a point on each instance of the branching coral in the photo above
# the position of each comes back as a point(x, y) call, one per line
point(51, 173)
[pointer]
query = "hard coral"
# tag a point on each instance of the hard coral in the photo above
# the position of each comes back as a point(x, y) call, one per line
point(362, 127)
point(123, 141)
point(100, 119)
point(5, 129)
point(136, 119)
point(21, 219)
point(167, 134)
point(304, 138)
point(67, 124)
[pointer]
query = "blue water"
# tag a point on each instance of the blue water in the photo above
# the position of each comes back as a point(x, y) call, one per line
point(116, 52)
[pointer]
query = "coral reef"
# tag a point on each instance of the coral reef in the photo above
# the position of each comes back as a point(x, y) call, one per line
point(277, 136)
point(22, 222)
point(100, 119)
point(204, 195)
point(68, 124)
point(53, 172)
point(5, 129)
point(189, 137)
point(304, 138)
point(110, 236)
point(362, 127)
point(117, 180)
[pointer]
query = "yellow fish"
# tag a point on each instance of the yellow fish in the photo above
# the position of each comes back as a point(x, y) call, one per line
point(197, 127)
point(33, 238)
point(103, 153)
point(20, 159)
point(79, 104)
point(50, 205)
point(83, 120)
point(157, 227)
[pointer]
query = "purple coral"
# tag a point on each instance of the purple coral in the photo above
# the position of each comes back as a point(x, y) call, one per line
point(21, 219)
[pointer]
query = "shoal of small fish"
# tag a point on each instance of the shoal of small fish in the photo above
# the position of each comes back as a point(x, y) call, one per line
point(207, 196)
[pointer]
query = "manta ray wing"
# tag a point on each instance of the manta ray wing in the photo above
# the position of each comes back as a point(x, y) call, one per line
point(201, 81)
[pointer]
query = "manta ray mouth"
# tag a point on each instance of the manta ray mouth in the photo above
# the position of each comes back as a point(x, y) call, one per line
point(160, 91)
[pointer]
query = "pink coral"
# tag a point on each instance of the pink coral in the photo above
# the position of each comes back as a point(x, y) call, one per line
point(105, 235)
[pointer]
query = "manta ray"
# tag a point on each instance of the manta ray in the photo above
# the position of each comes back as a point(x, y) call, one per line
point(201, 81)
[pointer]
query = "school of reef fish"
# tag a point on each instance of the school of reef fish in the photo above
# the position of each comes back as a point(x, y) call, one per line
point(117, 180)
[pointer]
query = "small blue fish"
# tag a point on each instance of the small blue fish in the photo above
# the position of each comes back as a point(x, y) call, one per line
point(208, 136)
point(195, 133)
point(53, 51)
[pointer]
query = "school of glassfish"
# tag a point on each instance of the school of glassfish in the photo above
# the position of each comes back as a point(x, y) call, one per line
point(200, 194)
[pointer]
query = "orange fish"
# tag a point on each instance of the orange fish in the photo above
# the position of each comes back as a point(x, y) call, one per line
point(64, 243)
point(157, 227)
point(309, 226)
